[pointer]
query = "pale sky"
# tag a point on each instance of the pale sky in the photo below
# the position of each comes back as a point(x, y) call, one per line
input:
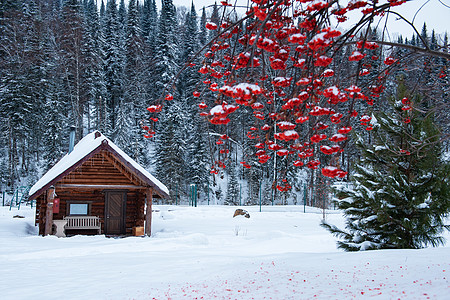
point(436, 14)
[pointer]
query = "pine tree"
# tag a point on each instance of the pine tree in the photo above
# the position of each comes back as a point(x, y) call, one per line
point(197, 139)
point(128, 134)
point(53, 136)
point(96, 88)
point(197, 160)
point(400, 190)
point(373, 61)
point(73, 58)
point(145, 18)
point(122, 18)
point(18, 78)
point(166, 48)
point(171, 146)
point(413, 40)
point(424, 42)
point(232, 187)
point(189, 46)
point(102, 14)
point(268, 192)
point(171, 139)
point(149, 22)
point(203, 31)
point(433, 41)
point(38, 83)
point(113, 65)
point(153, 27)
point(50, 106)
point(214, 18)
point(122, 133)
point(253, 175)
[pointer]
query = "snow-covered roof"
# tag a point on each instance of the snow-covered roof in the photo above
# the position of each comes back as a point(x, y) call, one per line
point(87, 146)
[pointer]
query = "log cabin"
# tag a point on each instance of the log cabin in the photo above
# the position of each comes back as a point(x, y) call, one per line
point(96, 189)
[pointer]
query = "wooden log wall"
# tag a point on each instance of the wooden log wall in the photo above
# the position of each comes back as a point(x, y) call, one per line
point(100, 169)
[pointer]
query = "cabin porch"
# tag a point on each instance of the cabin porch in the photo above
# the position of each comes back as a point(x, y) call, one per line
point(93, 211)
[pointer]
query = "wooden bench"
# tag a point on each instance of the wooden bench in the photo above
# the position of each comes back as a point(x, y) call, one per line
point(83, 222)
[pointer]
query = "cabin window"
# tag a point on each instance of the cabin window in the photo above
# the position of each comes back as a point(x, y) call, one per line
point(79, 209)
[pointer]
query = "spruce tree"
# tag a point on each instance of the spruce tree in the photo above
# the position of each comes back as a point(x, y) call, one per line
point(122, 18)
point(166, 49)
point(203, 31)
point(171, 137)
point(398, 197)
point(123, 134)
point(197, 139)
point(54, 128)
point(197, 160)
point(53, 136)
point(214, 18)
point(149, 22)
point(424, 34)
point(233, 186)
point(129, 135)
point(113, 65)
point(102, 13)
point(18, 80)
point(149, 34)
point(267, 192)
point(39, 80)
point(253, 175)
point(169, 160)
point(189, 45)
point(151, 37)
point(95, 80)
point(74, 61)
point(145, 18)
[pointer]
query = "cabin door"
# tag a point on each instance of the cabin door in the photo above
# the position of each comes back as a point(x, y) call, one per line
point(115, 212)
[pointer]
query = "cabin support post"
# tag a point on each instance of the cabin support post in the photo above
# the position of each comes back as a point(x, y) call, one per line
point(49, 211)
point(148, 212)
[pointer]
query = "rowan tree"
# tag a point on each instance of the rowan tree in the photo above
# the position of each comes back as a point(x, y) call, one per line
point(281, 62)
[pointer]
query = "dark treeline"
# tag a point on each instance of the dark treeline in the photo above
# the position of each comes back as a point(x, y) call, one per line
point(97, 66)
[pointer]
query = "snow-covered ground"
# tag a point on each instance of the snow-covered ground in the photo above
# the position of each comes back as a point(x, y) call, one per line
point(205, 253)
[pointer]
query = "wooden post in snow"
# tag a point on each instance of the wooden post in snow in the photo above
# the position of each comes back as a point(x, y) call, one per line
point(49, 211)
point(148, 212)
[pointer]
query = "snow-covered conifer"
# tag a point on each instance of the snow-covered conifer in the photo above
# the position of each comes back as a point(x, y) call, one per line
point(398, 196)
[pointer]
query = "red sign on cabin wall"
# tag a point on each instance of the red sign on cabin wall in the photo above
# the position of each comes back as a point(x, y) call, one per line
point(56, 206)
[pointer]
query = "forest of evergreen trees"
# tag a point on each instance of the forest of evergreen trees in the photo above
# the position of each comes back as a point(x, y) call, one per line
point(98, 66)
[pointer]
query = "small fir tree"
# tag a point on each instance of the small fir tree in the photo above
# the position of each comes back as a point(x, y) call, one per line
point(399, 196)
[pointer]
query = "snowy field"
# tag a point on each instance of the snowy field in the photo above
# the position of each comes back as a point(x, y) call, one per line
point(205, 253)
